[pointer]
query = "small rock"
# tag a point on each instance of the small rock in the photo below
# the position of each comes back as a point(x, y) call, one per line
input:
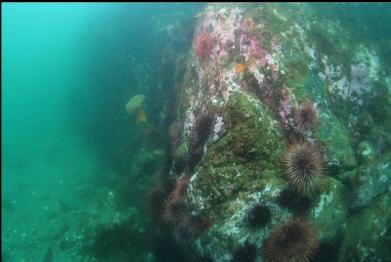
point(365, 151)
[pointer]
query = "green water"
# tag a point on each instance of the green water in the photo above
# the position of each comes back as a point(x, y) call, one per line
point(56, 60)
point(76, 168)
point(44, 158)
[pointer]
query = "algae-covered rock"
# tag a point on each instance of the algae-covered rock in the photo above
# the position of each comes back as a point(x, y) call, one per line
point(248, 152)
point(181, 151)
point(238, 171)
point(365, 151)
point(180, 159)
point(372, 180)
point(272, 74)
point(368, 232)
point(336, 139)
point(330, 209)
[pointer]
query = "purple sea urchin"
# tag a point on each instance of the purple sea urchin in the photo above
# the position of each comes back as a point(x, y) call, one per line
point(155, 201)
point(201, 130)
point(180, 189)
point(204, 46)
point(305, 116)
point(294, 241)
point(173, 210)
point(199, 134)
point(304, 165)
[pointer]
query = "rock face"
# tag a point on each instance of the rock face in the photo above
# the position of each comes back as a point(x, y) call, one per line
point(271, 75)
point(374, 179)
point(367, 236)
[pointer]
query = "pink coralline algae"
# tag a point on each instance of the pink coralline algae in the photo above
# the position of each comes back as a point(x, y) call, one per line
point(256, 49)
point(248, 24)
point(251, 47)
point(204, 46)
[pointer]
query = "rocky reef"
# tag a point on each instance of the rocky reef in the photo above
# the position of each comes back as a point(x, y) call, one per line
point(272, 78)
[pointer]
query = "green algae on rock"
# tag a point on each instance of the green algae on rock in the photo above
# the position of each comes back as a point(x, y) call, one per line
point(336, 139)
point(368, 236)
point(331, 208)
point(372, 180)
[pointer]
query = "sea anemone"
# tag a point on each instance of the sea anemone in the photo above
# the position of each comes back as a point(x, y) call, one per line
point(306, 116)
point(204, 46)
point(258, 217)
point(141, 116)
point(304, 165)
point(246, 253)
point(294, 241)
point(135, 103)
point(136, 106)
point(173, 210)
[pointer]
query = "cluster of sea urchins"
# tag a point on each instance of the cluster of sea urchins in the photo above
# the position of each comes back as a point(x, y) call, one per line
point(174, 206)
point(175, 213)
point(304, 165)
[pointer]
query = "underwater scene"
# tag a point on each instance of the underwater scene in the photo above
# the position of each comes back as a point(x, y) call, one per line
point(189, 132)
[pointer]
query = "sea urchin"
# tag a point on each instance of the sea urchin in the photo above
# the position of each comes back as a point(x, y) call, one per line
point(155, 201)
point(204, 46)
point(304, 165)
point(173, 210)
point(294, 241)
point(201, 129)
point(258, 216)
point(306, 116)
